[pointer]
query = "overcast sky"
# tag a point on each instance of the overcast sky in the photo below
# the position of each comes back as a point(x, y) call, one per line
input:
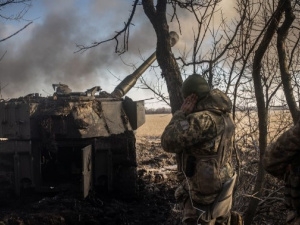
point(43, 53)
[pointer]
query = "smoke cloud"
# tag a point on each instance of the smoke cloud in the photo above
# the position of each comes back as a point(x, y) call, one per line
point(44, 54)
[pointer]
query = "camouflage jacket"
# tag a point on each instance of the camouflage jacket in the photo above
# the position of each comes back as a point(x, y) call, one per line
point(200, 131)
point(284, 152)
point(196, 137)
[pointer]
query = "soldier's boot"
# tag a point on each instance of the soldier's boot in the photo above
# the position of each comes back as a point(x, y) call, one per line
point(236, 218)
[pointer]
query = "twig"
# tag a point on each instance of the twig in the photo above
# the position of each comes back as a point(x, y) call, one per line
point(16, 32)
point(252, 196)
point(269, 196)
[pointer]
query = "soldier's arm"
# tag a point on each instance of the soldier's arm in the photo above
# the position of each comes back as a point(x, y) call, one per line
point(185, 131)
point(283, 152)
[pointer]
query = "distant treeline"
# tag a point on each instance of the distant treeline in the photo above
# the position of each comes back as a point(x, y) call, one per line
point(275, 107)
point(162, 110)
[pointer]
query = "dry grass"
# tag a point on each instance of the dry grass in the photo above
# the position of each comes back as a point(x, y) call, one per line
point(154, 126)
point(245, 124)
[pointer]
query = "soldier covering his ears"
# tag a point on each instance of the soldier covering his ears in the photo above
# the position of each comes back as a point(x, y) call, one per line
point(202, 132)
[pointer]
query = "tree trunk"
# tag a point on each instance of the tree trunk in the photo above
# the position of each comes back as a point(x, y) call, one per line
point(261, 109)
point(165, 57)
point(284, 70)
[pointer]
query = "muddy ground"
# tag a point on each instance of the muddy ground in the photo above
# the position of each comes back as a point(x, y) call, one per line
point(152, 205)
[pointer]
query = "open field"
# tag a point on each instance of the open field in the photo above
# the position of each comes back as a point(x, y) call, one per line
point(246, 126)
point(154, 126)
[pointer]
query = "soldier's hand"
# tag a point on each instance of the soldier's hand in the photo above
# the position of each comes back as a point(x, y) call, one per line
point(189, 104)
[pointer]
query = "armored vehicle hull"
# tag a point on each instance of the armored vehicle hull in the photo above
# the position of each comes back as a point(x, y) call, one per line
point(73, 141)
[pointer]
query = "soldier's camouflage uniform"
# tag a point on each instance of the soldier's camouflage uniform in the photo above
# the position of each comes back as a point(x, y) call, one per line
point(205, 145)
point(282, 160)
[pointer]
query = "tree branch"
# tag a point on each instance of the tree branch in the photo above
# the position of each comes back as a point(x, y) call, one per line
point(124, 31)
point(4, 39)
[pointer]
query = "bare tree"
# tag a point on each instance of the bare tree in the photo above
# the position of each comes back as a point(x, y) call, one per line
point(165, 57)
point(18, 16)
point(283, 60)
point(261, 107)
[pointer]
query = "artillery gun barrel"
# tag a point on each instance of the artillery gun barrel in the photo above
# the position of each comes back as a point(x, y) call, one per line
point(131, 79)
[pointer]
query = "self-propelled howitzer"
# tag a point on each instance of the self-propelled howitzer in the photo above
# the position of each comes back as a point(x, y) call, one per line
point(77, 141)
